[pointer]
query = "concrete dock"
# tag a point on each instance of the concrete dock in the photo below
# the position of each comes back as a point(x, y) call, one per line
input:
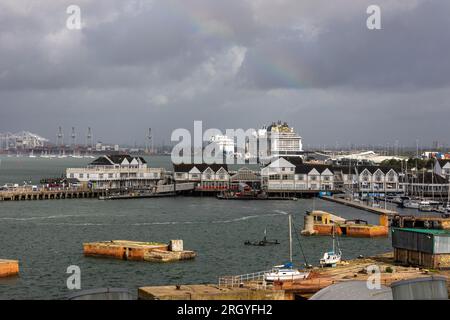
point(361, 206)
point(207, 292)
point(138, 251)
point(9, 268)
point(357, 269)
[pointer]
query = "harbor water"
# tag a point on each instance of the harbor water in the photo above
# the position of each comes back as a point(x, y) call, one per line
point(47, 236)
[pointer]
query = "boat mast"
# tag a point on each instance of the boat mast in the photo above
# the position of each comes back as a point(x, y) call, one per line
point(432, 181)
point(334, 249)
point(407, 179)
point(290, 238)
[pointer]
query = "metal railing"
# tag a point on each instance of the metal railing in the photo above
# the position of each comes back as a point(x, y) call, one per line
point(257, 279)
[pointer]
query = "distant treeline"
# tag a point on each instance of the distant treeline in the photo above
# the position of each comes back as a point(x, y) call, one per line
point(410, 163)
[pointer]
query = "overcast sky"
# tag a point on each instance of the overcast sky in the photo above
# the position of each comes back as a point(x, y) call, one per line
point(232, 64)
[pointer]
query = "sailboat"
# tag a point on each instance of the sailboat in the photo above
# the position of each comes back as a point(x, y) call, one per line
point(331, 258)
point(286, 272)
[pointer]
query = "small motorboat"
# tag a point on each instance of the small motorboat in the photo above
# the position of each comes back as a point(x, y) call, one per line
point(330, 259)
point(411, 204)
point(263, 242)
point(425, 208)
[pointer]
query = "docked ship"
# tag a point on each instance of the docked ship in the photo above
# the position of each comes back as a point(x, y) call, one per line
point(278, 140)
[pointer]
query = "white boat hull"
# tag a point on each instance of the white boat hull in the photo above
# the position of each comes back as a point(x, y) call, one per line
point(411, 205)
point(281, 275)
point(330, 259)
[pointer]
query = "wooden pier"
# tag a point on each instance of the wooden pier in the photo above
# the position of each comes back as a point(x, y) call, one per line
point(379, 211)
point(28, 194)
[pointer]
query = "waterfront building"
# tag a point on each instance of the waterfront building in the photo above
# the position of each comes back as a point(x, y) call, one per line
point(117, 172)
point(367, 179)
point(293, 175)
point(377, 179)
point(245, 177)
point(442, 167)
point(282, 141)
point(208, 177)
point(363, 158)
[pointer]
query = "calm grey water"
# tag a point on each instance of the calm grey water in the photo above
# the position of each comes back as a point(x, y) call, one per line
point(47, 236)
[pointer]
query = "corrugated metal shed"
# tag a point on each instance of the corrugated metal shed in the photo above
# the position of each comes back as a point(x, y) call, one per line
point(441, 244)
point(430, 241)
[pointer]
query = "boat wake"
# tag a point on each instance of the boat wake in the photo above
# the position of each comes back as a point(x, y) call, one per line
point(42, 218)
point(214, 221)
point(281, 212)
point(277, 213)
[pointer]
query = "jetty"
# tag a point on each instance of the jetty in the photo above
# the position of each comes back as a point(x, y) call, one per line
point(8, 268)
point(357, 205)
point(138, 251)
point(20, 194)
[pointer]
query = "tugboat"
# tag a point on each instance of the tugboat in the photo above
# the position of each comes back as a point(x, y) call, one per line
point(286, 272)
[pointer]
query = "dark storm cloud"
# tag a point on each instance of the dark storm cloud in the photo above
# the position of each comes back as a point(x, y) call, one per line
point(235, 63)
point(411, 51)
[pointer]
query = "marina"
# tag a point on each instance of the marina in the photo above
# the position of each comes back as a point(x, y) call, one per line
point(216, 230)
